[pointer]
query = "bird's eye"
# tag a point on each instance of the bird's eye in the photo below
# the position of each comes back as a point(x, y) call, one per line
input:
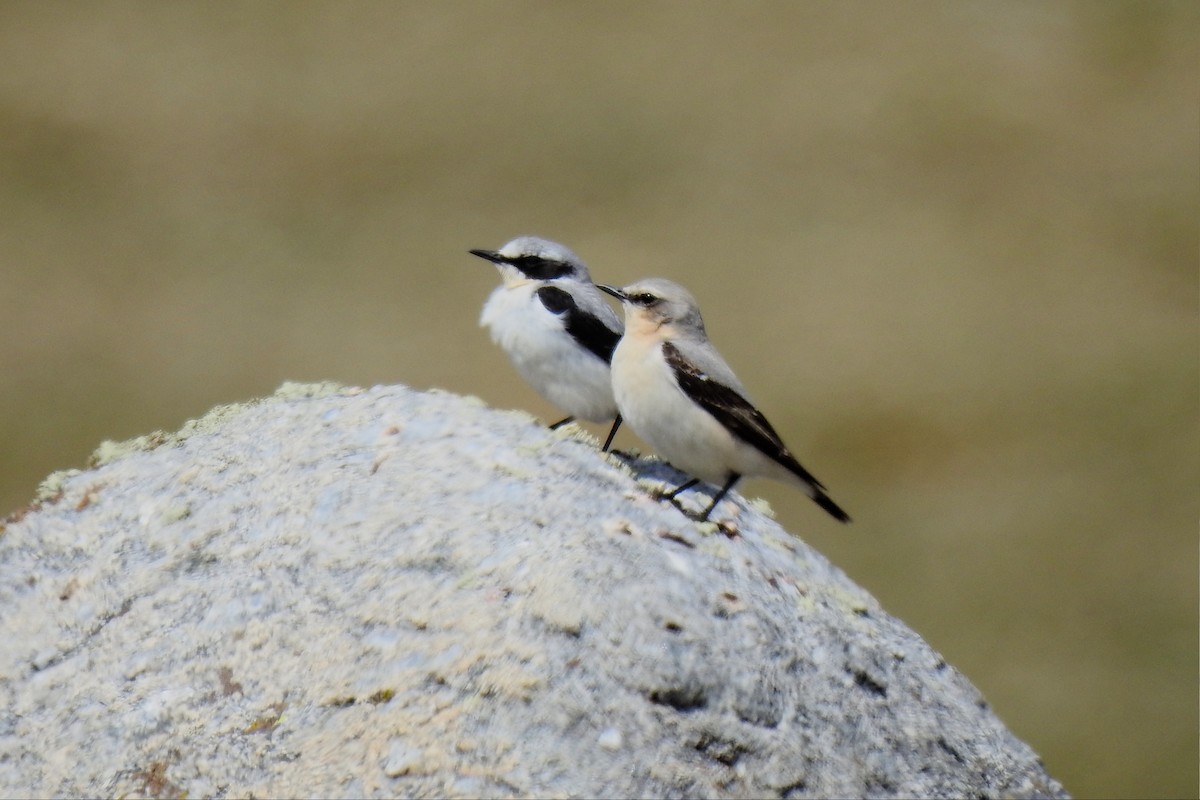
point(644, 299)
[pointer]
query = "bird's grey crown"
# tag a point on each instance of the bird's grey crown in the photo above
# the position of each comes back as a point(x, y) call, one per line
point(666, 301)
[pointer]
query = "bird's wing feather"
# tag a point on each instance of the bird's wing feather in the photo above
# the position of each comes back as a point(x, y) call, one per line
point(586, 328)
point(733, 411)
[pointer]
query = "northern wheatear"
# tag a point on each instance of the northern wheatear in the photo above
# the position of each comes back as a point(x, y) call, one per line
point(556, 328)
point(679, 395)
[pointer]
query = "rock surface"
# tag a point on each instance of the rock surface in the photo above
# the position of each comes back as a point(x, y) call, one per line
point(385, 592)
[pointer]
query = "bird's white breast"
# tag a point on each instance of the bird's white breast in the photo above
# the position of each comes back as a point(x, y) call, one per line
point(656, 408)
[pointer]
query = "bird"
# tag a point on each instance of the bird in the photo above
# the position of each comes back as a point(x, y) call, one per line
point(679, 395)
point(555, 326)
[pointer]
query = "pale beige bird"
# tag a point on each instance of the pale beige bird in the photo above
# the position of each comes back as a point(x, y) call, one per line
point(677, 393)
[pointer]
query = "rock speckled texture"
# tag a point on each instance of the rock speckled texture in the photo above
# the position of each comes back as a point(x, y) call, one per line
point(385, 592)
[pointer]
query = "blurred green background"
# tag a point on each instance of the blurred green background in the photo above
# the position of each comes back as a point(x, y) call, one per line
point(951, 247)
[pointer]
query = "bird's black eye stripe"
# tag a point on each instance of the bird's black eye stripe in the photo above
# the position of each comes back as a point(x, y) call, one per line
point(539, 268)
point(643, 299)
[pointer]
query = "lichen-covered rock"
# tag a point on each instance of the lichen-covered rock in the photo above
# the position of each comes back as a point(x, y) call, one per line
point(385, 592)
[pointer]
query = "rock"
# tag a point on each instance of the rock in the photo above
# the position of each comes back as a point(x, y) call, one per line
point(346, 592)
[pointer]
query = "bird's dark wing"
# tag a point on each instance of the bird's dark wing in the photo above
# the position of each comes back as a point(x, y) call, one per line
point(733, 411)
point(585, 328)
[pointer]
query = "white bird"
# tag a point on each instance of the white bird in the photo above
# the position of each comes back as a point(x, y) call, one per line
point(555, 326)
point(680, 396)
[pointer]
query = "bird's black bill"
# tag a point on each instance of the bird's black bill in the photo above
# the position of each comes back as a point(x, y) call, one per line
point(490, 255)
point(614, 291)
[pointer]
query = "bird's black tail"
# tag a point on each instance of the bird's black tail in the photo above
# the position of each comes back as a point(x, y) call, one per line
point(834, 510)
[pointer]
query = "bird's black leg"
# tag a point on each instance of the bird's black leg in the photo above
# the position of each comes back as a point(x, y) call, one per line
point(733, 478)
point(672, 495)
point(561, 422)
point(611, 434)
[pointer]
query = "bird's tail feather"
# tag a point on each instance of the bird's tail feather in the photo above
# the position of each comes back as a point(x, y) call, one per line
point(834, 510)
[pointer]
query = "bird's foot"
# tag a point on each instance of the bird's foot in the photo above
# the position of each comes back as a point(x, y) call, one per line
point(623, 455)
